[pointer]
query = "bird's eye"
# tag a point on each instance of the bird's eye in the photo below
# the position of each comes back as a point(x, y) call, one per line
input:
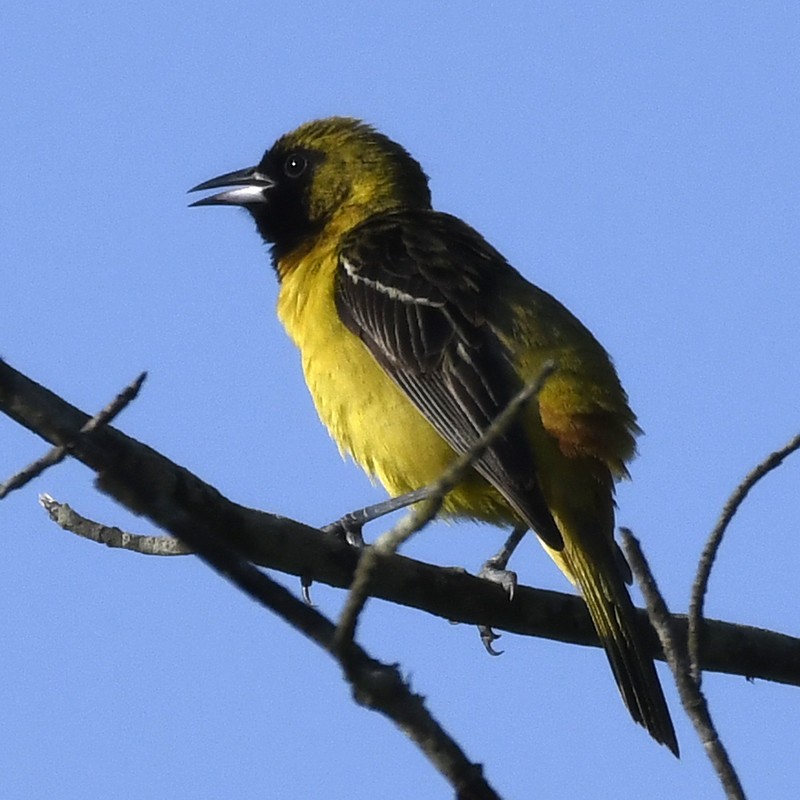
point(295, 165)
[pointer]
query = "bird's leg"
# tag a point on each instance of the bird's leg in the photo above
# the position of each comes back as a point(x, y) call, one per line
point(349, 527)
point(494, 570)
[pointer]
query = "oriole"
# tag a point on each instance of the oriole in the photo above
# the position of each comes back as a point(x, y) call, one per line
point(414, 334)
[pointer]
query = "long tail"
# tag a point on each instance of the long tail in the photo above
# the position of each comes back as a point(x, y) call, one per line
point(617, 625)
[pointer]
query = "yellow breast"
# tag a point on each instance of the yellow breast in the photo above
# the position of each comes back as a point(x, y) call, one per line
point(367, 415)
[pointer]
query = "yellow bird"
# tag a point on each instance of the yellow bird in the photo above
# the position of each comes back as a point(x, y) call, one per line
point(415, 333)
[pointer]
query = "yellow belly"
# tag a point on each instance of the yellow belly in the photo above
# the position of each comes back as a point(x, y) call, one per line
point(367, 415)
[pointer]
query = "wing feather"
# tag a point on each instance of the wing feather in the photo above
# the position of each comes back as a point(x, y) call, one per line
point(413, 286)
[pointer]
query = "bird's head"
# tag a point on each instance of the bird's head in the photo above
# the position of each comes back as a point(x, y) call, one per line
point(335, 171)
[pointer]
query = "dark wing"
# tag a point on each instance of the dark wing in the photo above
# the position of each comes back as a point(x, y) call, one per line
point(413, 286)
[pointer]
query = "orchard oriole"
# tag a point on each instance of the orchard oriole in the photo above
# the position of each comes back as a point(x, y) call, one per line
point(415, 333)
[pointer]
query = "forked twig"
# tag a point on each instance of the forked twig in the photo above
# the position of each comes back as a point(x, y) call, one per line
point(59, 453)
point(700, 585)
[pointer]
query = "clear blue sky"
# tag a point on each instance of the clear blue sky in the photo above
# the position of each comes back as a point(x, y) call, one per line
point(639, 161)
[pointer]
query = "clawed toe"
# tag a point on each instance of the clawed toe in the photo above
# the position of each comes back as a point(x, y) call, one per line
point(504, 577)
point(489, 637)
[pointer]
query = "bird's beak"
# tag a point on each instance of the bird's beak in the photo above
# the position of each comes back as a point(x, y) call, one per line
point(252, 188)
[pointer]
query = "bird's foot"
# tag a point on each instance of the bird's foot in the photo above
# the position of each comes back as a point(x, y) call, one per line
point(347, 529)
point(489, 637)
point(493, 571)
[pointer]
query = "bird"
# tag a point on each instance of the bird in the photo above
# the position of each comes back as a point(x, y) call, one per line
point(415, 333)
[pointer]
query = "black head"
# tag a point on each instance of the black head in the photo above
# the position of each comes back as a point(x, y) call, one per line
point(327, 170)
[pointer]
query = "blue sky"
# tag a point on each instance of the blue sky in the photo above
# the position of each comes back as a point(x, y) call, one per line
point(639, 161)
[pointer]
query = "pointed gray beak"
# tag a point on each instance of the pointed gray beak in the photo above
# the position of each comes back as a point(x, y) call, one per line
point(252, 189)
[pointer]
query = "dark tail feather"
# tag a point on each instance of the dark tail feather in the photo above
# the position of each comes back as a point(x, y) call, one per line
point(617, 625)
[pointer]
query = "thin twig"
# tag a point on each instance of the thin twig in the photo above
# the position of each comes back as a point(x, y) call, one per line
point(70, 520)
point(692, 699)
point(57, 454)
point(700, 585)
point(425, 510)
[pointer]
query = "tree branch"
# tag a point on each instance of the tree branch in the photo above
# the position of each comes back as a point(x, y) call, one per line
point(291, 547)
point(692, 698)
point(374, 685)
point(700, 586)
point(59, 453)
point(70, 520)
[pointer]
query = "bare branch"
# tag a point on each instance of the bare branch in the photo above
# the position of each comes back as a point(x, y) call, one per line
point(374, 685)
point(71, 521)
point(139, 484)
point(291, 547)
point(296, 549)
point(692, 699)
point(424, 511)
point(700, 586)
point(57, 454)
